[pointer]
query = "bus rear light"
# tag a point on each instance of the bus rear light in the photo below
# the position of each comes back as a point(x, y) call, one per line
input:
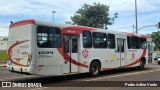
point(29, 57)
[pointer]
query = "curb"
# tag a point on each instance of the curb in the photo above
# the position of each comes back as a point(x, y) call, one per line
point(3, 63)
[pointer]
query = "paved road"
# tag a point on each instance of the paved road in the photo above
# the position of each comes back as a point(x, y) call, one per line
point(84, 81)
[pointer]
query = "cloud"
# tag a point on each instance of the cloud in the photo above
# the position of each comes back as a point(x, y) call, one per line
point(42, 10)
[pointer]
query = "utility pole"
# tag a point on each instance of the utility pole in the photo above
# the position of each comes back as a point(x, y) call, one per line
point(133, 28)
point(136, 16)
point(53, 15)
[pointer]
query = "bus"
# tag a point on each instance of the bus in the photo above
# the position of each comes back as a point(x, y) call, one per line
point(46, 48)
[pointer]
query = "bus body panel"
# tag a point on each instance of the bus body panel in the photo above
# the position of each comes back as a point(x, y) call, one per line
point(48, 61)
point(19, 48)
point(28, 52)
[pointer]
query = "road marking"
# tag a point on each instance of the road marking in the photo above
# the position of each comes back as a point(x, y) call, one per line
point(39, 88)
point(123, 75)
point(153, 66)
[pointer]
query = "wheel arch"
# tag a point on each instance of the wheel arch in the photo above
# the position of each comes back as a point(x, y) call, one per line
point(96, 60)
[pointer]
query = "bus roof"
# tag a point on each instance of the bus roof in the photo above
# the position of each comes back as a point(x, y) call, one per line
point(73, 27)
point(23, 22)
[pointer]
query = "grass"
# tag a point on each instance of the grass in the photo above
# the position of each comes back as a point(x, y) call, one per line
point(3, 55)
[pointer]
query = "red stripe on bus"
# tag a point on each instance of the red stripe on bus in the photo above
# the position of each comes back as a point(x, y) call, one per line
point(23, 22)
point(69, 31)
point(82, 28)
point(145, 36)
point(9, 53)
point(67, 58)
point(76, 30)
point(137, 61)
point(131, 34)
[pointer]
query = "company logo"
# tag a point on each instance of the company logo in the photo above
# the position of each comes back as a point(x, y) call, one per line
point(14, 84)
point(85, 53)
point(133, 55)
point(114, 56)
point(6, 84)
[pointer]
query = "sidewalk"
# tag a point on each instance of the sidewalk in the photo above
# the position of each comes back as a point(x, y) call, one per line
point(3, 64)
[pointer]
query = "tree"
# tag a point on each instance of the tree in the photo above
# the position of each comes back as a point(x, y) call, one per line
point(156, 39)
point(96, 15)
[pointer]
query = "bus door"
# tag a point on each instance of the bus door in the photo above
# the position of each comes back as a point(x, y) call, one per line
point(121, 51)
point(70, 47)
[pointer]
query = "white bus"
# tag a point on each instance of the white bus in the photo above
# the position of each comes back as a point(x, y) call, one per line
point(45, 48)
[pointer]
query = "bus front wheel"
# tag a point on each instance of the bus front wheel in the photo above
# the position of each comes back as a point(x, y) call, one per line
point(94, 69)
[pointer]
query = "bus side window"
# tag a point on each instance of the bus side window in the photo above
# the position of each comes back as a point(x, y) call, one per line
point(129, 42)
point(111, 41)
point(99, 40)
point(143, 43)
point(87, 39)
point(135, 42)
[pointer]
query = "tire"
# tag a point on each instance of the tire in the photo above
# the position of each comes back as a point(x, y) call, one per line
point(141, 66)
point(94, 69)
point(159, 63)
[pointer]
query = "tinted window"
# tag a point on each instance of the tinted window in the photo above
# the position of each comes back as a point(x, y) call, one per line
point(129, 42)
point(74, 45)
point(143, 43)
point(111, 41)
point(135, 42)
point(87, 39)
point(120, 45)
point(99, 40)
point(66, 44)
point(48, 37)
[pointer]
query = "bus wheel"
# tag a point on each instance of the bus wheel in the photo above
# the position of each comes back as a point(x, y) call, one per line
point(94, 69)
point(141, 67)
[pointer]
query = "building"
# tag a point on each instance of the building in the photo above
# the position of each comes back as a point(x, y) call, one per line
point(3, 43)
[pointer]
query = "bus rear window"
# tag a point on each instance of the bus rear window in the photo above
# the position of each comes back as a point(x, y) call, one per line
point(48, 37)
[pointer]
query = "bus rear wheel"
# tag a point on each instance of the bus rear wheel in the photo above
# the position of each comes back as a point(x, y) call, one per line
point(94, 69)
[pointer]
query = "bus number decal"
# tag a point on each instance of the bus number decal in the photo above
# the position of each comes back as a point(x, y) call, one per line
point(45, 52)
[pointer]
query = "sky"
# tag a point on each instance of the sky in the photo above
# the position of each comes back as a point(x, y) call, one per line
point(148, 12)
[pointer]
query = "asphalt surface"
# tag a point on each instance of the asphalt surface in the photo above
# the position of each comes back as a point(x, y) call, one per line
point(108, 80)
